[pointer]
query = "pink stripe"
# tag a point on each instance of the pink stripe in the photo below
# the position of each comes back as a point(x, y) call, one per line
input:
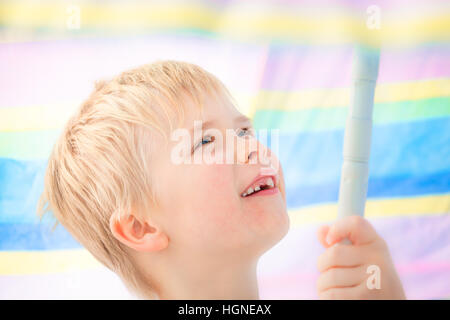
point(419, 246)
point(290, 68)
point(55, 72)
point(420, 281)
point(98, 284)
point(351, 4)
point(59, 71)
point(425, 267)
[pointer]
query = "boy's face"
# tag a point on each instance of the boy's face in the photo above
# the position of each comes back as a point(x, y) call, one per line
point(201, 207)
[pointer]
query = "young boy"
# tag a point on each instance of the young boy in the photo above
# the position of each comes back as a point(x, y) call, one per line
point(171, 226)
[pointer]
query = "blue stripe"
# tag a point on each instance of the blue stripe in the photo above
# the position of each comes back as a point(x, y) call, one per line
point(406, 160)
point(35, 237)
point(403, 186)
point(21, 183)
point(38, 236)
point(416, 150)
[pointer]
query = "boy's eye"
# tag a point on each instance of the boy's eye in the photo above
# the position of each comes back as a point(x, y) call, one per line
point(245, 131)
point(205, 140)
point(208, 139)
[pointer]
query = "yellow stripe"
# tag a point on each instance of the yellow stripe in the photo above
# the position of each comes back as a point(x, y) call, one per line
point(34, 262)
point(55, 116)
point(112, 15)
point(239, 22)
point(40, 117)
point(427, 205)
point(326, 98)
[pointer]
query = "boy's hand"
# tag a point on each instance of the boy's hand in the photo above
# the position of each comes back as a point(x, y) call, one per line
point(344, 267)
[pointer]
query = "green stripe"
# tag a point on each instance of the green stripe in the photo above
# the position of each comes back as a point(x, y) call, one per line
point(38, 144)
point(27, 144)
point(320, 119)
point(114, 33)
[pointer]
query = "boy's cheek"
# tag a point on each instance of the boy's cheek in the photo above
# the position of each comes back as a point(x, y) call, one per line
point(212, 203)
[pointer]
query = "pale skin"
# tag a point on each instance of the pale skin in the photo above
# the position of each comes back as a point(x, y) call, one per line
point(203, 240)
point(343, 267)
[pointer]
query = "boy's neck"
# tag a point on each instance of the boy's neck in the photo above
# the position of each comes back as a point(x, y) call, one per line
point(228, 283)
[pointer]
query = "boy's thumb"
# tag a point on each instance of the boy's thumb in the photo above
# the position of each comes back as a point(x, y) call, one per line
point(355, 228)
point(322, 233)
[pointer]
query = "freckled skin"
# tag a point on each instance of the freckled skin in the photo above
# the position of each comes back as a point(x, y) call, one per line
point(202, 210)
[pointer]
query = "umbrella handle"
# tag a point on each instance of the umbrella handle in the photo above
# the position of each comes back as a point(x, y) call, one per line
point(358, 132)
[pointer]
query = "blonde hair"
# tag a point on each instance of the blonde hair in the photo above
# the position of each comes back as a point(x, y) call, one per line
point(99, 166)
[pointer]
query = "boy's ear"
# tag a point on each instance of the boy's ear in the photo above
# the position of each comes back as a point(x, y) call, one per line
point(138, 235)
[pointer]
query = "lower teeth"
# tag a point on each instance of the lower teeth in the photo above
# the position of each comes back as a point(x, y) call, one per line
point(261, 189)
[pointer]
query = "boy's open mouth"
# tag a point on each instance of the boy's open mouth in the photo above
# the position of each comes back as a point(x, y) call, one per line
point(262, 185)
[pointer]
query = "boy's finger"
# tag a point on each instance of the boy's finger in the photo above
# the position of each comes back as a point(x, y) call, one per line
point(357, 229)
point(322, 234)
point(346, 293)
point(341, 277)
point(341, 256)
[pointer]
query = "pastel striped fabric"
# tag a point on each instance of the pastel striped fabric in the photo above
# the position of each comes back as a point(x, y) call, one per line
point(288, 65)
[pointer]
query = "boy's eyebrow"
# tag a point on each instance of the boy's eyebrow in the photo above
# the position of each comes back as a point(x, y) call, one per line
point(204, 125)
point(242, 118)
point(209, 123)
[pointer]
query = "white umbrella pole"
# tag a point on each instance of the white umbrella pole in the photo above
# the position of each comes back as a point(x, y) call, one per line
point(358, 132)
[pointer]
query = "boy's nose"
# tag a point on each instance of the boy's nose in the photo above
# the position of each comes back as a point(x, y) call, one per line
point(251, 155)
point(247, 150)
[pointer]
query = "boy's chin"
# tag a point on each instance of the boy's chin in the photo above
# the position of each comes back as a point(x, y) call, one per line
point(281, 230)
point(276, 222)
